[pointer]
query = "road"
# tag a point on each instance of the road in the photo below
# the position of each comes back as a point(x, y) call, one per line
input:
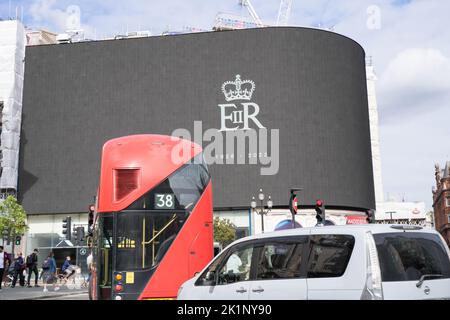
point(81, 296)
point(24, 293)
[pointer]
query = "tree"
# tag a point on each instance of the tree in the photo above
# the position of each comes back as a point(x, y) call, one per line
point(13, 218)
point(224, 231)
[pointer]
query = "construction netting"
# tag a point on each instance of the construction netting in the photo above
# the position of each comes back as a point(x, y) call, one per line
point(12, 55)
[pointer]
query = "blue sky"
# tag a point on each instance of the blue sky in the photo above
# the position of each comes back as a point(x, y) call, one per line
point(410, 50)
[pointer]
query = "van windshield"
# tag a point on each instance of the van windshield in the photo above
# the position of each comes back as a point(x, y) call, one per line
point(408, 256)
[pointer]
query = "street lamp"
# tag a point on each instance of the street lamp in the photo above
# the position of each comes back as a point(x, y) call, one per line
point(261, 209)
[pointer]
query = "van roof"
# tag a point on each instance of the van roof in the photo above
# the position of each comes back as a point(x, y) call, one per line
point(374, 228)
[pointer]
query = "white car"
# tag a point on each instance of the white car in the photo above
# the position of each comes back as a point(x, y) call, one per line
point(334, 262)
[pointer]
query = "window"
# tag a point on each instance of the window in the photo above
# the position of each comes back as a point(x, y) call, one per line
point(408, 256)
point(447, 201)
point(125, 182)
point(242, 232)
point(144, 238)
point(329, 255)
point(280, 261)
point(185, 187)
point(230, 267)
point(236, 267)
point(208, 278)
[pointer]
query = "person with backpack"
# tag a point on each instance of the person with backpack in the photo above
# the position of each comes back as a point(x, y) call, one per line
point(32, 261)
point(49, 272)
point(19, 267)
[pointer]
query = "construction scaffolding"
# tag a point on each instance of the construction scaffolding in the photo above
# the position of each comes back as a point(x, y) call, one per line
point(12, 55)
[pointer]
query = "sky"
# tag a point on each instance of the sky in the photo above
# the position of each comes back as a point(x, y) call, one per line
point(408, 40)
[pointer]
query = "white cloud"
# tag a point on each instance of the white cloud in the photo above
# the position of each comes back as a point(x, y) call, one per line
point(417, 68)
point(43, 11)
point(417, 79)
point(409, 150)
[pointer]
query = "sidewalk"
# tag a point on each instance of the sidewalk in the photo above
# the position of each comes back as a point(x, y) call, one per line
point(25, 293)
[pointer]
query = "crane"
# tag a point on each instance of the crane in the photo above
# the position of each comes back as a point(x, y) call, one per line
point(251, 10)
point(284, 13)
point(230, 22)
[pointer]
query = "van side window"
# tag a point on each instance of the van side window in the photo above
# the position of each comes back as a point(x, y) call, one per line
point(329, 255)
point(280, 260)
point(236, 268)
point(409, 255)
point(208, 277)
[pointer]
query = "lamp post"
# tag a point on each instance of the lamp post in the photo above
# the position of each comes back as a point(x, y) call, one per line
point(261, 209)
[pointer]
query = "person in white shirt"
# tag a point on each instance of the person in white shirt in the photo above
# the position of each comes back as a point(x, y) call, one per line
point(89, 265)
point(233, 263)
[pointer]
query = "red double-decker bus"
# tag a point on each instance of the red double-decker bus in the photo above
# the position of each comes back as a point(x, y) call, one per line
point(153, 224)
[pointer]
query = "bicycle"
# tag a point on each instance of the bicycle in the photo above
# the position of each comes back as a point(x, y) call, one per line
point(76, 280)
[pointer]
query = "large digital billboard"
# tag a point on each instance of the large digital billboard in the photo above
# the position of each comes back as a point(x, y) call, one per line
point(274, 108)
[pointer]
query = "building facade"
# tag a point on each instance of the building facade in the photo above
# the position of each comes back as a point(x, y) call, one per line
point(40, 37)
point(12, 54)
point(374, 134)
point(399, 212)
point(441, 201)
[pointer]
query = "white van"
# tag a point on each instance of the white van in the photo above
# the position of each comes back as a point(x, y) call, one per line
point(333, 262)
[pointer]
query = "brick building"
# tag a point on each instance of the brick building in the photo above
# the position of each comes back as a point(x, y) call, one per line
point(441, 201)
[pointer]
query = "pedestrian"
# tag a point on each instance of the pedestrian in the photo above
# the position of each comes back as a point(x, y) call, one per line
point(19, 267)
point(32, 263)
point(4, 264)
point(49, 272)
point(89, 266)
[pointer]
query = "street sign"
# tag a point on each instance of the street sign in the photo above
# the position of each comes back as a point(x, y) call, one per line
point(356, 219)
point(83, 251)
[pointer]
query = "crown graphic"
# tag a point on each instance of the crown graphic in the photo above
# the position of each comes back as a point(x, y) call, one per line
point(238, 89)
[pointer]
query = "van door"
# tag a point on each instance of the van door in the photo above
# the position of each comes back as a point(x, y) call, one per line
point(336, 266)
point(227, 278)
point(280, 270)
point(414, 265)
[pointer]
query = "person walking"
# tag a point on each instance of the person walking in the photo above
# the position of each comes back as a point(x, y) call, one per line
point(32, 262)
point(4, 264)
point(19, 267)
point(89, 260)
point(49, 272)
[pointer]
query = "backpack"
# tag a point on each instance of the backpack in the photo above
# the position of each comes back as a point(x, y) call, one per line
point(46, 264)
point(30, 260)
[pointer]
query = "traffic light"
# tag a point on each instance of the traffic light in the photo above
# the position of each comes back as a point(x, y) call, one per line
point(91, 220)
point(17, 242)
point(320, 210)
point(370, 216)
point(78, 234)
point(5, 234)
point(293, 201)
point(67, 227)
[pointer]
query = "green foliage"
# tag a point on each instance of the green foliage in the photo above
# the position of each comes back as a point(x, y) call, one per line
point(12, 217)
point(224, 231)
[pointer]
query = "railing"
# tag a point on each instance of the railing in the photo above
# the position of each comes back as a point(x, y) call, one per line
point(417, 222)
